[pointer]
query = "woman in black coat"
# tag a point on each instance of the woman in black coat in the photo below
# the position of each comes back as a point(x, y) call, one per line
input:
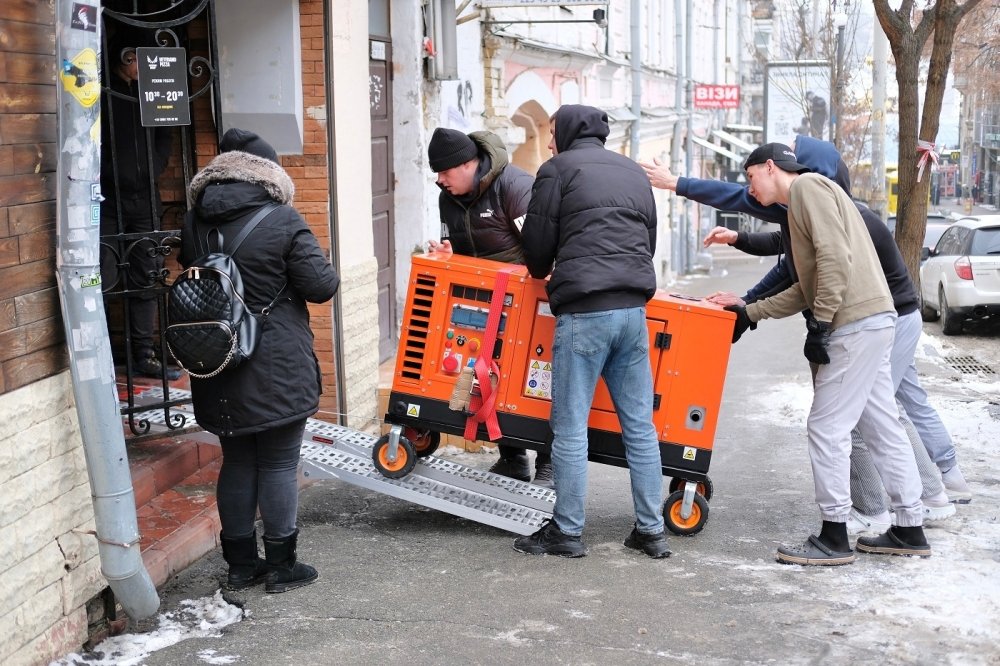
point(259, 408)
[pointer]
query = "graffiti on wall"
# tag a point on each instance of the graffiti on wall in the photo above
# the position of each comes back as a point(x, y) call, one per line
point(460, 112)
point(375, 88)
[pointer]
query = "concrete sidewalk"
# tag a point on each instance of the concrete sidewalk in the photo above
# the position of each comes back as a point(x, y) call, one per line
point(400, 584)
point(955, 209)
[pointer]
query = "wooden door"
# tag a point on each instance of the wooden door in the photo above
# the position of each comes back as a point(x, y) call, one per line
point(383, 216)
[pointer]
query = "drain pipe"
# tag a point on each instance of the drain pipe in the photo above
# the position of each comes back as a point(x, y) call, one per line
point(78, 176)
point(331, 170)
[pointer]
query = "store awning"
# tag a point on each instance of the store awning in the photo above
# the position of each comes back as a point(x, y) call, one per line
point(719, 149)
point(734, 141)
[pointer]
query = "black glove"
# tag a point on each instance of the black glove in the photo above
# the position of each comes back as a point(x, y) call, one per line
point(817, 341)
point(742, 321)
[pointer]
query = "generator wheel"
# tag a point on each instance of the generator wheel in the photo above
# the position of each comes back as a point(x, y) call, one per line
point(672, 514)
point(705, 488)
point(406, 458)
point(425, 442)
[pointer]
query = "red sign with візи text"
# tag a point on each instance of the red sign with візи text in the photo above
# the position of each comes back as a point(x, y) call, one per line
point(716, 96)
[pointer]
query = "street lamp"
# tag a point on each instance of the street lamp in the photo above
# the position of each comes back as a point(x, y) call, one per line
point(840, 21)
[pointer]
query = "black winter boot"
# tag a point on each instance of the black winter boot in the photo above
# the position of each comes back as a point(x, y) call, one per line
point(245, 566)
point(286, 573)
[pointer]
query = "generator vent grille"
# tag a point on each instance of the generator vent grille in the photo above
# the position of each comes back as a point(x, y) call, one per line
point(418, 326)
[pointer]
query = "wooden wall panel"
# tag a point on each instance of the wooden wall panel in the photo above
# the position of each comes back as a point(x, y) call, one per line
point(18, 128)
point(24, 98)
point(29, 11)
point(34, 38)
point(32, 337)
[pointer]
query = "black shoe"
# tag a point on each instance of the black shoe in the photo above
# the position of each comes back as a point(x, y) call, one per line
point(896, 541)
point(150, 366)
point(286, 572)
point(246, 568)
point(549, 540)
point(516, 467)
point(654, 545)
point(543, 476)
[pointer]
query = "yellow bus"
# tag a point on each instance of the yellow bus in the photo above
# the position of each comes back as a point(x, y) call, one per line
point(891, 189)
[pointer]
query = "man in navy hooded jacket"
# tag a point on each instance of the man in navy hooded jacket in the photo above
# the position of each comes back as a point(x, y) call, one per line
point(592, 215)
point(823, 158)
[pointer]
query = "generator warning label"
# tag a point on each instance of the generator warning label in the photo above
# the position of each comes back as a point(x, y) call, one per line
point(689, 453)
point(413, 410)
point(538, 382)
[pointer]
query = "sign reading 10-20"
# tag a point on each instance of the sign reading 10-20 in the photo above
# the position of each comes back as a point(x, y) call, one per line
point(163, 91)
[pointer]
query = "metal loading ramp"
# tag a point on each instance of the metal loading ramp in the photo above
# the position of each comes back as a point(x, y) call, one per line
point(331, 451)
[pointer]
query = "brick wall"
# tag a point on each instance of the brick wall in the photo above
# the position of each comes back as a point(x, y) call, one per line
point(49, 565)
point(31, 334)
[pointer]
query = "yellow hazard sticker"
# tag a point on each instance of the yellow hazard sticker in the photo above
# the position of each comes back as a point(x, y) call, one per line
point(413, 410)
point(79, 77)
point(689, 453)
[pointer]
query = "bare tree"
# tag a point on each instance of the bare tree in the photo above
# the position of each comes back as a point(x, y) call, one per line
point(909, 30)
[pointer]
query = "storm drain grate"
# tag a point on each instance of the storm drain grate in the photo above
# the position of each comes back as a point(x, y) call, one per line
point(969, 365)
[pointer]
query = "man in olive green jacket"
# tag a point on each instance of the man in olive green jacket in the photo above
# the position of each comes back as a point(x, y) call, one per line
point(850, 338)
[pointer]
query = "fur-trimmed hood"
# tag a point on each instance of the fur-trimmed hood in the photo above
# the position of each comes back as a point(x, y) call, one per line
point(237, 166)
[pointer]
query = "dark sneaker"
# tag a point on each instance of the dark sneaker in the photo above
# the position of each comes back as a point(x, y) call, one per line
point(550, 540)
point(150, 366)
point(654, 545)
point(543, 476)
point(514, 468)
point(891, 543)
point(814, 553)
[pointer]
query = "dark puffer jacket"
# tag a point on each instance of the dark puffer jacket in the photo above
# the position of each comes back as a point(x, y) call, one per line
point(280, 383)
point(592, 213)
point(486, 222)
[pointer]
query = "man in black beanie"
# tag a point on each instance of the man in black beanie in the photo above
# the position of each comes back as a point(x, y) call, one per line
point(483, 202)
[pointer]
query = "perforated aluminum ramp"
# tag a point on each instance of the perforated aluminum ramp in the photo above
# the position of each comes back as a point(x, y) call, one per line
point(334, 452)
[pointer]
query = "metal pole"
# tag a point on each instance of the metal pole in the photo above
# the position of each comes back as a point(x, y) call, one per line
point(689, 147)
point(839, 103)
point(880, 54)
point(678, 208)
point(78, 273)
point(636, 48)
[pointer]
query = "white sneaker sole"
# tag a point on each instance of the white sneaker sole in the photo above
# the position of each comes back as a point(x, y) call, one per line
point(938, 512)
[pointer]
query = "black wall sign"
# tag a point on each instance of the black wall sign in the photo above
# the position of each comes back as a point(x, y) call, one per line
point(163, 89)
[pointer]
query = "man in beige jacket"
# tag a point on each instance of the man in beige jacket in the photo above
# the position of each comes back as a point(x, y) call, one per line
point(850, 336)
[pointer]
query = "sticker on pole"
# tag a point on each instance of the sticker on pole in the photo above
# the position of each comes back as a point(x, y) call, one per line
point(79, 77)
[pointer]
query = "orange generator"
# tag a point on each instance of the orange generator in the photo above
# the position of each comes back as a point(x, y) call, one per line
point(445, 331)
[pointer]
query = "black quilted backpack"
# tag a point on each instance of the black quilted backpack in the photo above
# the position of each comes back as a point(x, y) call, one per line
point(209, 326)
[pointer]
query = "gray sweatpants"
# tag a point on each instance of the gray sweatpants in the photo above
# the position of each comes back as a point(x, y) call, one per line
point(856, 388)
point(867, 494)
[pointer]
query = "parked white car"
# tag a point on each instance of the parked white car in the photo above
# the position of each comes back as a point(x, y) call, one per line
point(960, 280)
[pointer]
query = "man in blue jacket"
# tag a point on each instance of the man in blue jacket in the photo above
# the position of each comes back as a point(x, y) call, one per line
point(592, 215)
point(822, 157)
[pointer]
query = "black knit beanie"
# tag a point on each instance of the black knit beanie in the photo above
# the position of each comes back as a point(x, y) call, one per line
point(247, 142)
point(449, 148)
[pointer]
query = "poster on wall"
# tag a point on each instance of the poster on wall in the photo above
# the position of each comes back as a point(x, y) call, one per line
point(797, 100)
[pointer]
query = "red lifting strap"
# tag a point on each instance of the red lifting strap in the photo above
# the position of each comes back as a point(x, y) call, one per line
point(483, 404)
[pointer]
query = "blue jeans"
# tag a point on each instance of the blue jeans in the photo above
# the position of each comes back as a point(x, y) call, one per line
point(259, 471)
point(913, 397)
point(613, 344)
